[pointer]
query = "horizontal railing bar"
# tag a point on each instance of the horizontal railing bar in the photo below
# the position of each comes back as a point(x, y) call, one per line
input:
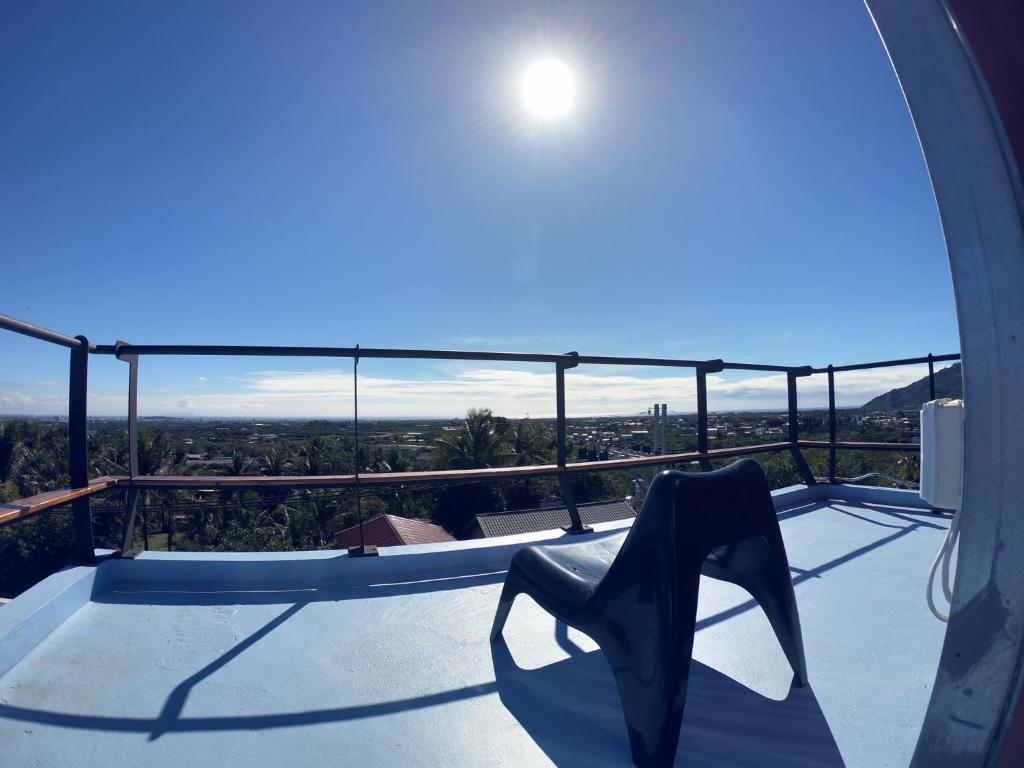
point(667, 362)
point(714, 365)
point(336, 481)
point(33, 505)
point(426, 354)
point(22, 508)
point(711, 366)
point(343, 352)
point(38, 332)
point(890, 363)
point(429, 354)
point(437, 476)
point(676, 458)
point(800, 370)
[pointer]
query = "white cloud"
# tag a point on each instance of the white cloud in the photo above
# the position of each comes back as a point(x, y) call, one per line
point(328, 394)
point(202, 379)
point(13, 400)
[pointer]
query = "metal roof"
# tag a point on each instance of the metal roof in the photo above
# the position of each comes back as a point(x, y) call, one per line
point(550, 518)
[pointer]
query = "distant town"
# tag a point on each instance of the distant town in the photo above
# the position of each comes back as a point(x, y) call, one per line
point(209, 443)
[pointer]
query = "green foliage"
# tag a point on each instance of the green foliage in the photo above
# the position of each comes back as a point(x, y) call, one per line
point(32, 550)
point(482, 441)
point(269, 539)
point(529, 492)
point(459, 504)
point(598, 486)
point(33, 459)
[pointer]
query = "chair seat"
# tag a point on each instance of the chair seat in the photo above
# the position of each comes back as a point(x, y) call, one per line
point(570, 571)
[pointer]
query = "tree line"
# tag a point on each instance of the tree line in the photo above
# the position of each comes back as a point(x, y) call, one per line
point(33, 459)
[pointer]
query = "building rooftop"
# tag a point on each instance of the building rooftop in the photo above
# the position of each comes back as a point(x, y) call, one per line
point(548, 518)
point(185, 659)
point(392, 531)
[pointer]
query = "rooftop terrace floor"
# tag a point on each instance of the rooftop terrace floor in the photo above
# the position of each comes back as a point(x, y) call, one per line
point(316, 659)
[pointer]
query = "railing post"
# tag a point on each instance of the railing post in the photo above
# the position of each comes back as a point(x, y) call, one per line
point(575, 522)
point(78, 388)
point(145, 528)
point(831, 424)
point(364, 549)
point(128, 531)
point(794, 428)
point(702, 416)
point(931, 376)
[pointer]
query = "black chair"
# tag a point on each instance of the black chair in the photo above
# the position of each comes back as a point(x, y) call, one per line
point(635, 594)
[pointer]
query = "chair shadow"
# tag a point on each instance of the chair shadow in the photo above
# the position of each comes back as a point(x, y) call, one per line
point(571, 710)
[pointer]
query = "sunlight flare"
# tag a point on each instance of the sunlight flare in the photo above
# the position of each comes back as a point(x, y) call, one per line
point(548, 89)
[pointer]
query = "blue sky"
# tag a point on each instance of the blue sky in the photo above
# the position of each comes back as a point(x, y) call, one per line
point(737, 180)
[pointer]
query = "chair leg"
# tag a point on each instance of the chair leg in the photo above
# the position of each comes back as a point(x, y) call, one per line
point(509, 592)
point(779, 604)
point(654, 716)
point(754, 565)
point(651, 672)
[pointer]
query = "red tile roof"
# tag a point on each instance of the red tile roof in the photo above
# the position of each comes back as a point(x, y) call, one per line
point(392, 531)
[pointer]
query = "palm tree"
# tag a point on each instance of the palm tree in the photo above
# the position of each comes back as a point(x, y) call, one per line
point(242, 464)
point(275, 462)
point(398, 461)
point(314, 457)
point(532, 444)
point(480, 443)
point(155, 454)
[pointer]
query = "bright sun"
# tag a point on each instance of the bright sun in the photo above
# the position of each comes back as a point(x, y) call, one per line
point(548, 89)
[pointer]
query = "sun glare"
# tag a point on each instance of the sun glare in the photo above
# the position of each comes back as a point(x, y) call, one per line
point(548, 89)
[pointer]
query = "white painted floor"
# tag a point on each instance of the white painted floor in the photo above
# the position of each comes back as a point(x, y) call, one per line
point(402, 674)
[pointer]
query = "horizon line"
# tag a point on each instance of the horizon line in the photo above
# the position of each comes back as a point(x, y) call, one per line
point(64, 417)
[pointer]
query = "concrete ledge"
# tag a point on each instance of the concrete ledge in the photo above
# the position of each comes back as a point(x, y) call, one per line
point(795, 495)
point(329, 568)
point(33, 615)
point(893, 497)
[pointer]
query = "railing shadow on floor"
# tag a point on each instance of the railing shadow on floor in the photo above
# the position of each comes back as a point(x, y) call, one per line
point(802, 575)
point(157, 726)
point(170, 719)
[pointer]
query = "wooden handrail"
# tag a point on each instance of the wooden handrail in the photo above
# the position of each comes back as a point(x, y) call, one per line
point(676, 458)
point(33, 505)
point(22, 508)
point(333, 481)
point(850, 446)
point(437, 476)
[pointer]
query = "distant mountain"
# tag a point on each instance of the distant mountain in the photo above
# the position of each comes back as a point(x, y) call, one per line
point(910, 397)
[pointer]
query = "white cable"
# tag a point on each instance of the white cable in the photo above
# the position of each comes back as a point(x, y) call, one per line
point(944, 556)
point(951, 538)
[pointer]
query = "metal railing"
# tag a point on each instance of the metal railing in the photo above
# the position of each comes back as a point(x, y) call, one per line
point(81, 348)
